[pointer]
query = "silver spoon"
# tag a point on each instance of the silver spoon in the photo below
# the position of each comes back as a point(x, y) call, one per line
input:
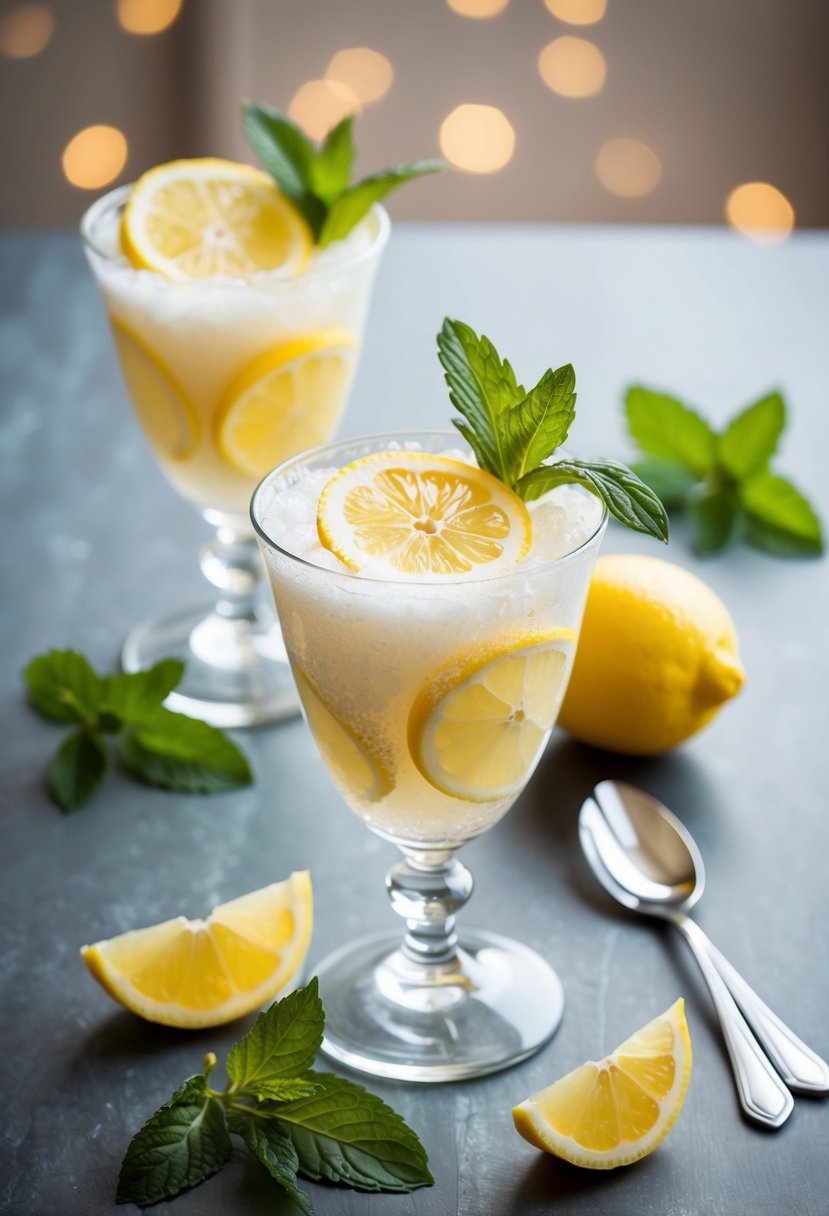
point(644, 857)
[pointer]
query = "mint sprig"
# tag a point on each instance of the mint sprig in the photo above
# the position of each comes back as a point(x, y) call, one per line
point(320, 1126)
point(317, 180)
point(157, 746)
point(723, 479)
point(514, 433)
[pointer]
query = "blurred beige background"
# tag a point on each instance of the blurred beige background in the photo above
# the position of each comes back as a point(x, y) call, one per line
point(682, 100)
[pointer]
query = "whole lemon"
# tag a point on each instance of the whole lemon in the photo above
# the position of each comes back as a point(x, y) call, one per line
point(656, 659)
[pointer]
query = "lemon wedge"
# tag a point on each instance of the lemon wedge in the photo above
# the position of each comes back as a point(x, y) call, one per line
point(167, 416)
point(195, 219)
point(478, 726)
point(350, 759)
point(614, 1111)
point(285, 401)
point(415, 515)
point(192, 973)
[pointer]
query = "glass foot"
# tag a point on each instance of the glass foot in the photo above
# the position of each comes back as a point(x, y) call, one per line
point(237, 671)
point(495, 1003)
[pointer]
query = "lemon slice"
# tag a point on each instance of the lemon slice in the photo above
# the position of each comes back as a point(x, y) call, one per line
point(616, 1110)
point(192, 973)
point(164, 410)
point(285, 401)
point(477, 728)
point(412, 514)
point(351, 760)
point(194, 219)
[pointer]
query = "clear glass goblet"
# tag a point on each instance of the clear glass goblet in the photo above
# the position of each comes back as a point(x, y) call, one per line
point(442, 1004)
point(208, 364)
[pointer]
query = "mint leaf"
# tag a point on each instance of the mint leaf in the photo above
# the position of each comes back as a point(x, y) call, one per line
point(330, 170)
point(715, 517)
point(180, 753)
point(750, 439)
point(482, 387)
point(317, 181)
point(277, 1089)
point(536, 426)
point(777, 541)
point(161, 747)
point(132, 696)
point(626, 497)
point(269, 1143)
point(662, 426)
point(63, 686)
point(347, 210)
point(282, 1043)
point(780, 518)
point(287, 154)
point(669, 481)
point(183, 1143)
point(78, 768)
point(345, 1134)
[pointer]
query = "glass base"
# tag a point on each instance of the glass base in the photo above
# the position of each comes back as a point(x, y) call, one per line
point(494, 1004)
point(237, 672)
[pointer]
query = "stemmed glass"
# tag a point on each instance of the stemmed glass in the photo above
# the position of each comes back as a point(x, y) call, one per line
point(199, 360)
point(440, 1005)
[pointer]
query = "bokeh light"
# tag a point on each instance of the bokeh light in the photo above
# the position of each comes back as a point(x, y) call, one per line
point(147, 16)
point(760, 211)
point(478, 8)
point(577, 12)
point(318, 105)
point(26, 30)
point(95, 157)
point(367, 73)
point(572, 67)
point(628, 167)
point(477, 138)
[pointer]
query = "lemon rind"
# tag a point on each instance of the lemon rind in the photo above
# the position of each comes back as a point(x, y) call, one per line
point(329, 511)
point(168, 1013)
point(143, 254)
point(452, 675)
point(325, 343)
point(385, 780)
point(158, 365)
point(531, 1125)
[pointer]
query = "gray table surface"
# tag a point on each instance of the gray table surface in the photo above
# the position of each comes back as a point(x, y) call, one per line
point(94, 540)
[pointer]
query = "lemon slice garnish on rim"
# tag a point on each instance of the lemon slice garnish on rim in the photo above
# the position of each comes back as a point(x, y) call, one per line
point(166, 413)
point(613, 1111)
point(285, 401)
point(193, 973)
point(350, 757)
point(195, 219)
point(478, 726)
point(415, 515)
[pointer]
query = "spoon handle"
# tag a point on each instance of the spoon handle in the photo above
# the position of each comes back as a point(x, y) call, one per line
point(763, 1096)
point(801, 1068)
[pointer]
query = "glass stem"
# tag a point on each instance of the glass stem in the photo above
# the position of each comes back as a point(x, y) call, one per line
point(231, 563)
point(427, 893)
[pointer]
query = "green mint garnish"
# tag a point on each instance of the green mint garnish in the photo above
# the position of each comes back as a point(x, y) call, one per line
point(723, 479)
point(318, 180)
point(315, 1125)
point(513, 433)
point(283, 1043)
point(159, 747)
point(183, 1143)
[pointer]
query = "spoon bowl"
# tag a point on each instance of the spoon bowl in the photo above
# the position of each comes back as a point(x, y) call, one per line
point(639, 851)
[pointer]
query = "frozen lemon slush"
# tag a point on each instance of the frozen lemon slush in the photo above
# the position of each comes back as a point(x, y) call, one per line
point(430, 695)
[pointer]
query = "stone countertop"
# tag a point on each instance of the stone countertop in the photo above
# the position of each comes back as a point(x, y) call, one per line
point(95, 540)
